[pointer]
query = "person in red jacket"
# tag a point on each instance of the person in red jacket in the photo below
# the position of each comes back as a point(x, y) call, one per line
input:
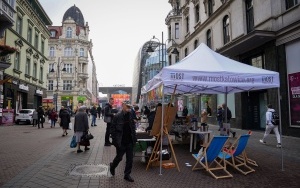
point(53, 117)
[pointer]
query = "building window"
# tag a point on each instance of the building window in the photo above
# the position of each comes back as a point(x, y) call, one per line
point(249, 15)
point(50, 85)
point(68, 52)
point(69, 32)
point(170, 60)
point(34, 71)
point(51, 66)
point(209, 7)
point(169, 32)
point(17, 60)
point(19, 23)
point(43, 46)
point(81, 52)
point(176, 30)
point(177, 58)
point(53, 33)
point(41, 73)
point(27, 67)
point(197, 13)
point(51, 52)
point(67, 85)
point(208, 38)
point(195, 44)
point(69, 68)
point(258, 62)
point(36, 41)
point(291, 3)
point(226, 29)
point(29, 35)
point(185, 52)
point(187, 24)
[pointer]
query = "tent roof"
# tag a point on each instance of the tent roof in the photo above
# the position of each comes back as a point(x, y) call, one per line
point(205, 71)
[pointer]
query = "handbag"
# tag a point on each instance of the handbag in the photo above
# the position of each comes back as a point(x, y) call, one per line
point(70, 126)
point(73, 143)
point(87, 136)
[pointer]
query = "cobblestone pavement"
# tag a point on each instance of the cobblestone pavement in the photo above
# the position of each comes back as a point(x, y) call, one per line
point(31, 157)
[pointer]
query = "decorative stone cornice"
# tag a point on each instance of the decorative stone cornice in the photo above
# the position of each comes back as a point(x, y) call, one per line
point(36, 55)
point(29, 50)
point(19, 42)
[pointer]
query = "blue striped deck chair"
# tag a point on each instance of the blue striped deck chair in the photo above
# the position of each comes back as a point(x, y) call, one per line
point(207, 156)
point(237, 149)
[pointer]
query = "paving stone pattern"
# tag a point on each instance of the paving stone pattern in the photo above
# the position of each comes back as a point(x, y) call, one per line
point(31, 157)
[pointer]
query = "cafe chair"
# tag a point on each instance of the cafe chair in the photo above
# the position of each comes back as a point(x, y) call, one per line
point(207, 158)
point(237, 149)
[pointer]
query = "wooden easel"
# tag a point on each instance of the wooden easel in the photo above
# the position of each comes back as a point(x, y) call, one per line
point(156, 131)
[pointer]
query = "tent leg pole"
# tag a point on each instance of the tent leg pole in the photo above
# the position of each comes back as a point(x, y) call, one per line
point(280, 127)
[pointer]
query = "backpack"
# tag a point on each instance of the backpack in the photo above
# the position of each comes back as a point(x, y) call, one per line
point(275, 118)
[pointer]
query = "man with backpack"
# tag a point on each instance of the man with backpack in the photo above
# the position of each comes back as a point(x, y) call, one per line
point(272, 122)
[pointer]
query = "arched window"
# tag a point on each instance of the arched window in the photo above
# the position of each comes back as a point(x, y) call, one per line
point(81, 52)
point(185, 52)
point(52, 52)
point(68, 51)
point(208, 38)
point(195, 44)
point(226, 34)
point(69, 32)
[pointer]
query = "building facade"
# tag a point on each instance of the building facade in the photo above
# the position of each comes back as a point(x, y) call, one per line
point(265, 34)
point(72, 71)
point(26, 79)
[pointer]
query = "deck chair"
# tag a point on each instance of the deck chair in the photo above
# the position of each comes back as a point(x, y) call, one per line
point(237, 149)
point(207, 156)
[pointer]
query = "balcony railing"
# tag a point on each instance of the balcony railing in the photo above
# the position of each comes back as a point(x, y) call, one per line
point(7, 11)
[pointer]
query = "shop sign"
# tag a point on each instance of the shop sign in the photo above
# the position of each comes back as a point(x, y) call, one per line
point(23, 87)
point(40, 92)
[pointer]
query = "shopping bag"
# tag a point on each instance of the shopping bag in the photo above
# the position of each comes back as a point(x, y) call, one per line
point(49, 121)
point(70, 126)
point(73, 143)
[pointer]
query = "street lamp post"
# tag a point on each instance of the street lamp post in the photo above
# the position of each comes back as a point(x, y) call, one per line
point(57, 78)
point(161, 49)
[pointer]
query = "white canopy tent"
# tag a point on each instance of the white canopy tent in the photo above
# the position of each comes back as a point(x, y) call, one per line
point(206, 72)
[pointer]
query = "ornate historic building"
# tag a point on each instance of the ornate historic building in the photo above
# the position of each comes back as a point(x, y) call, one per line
point(265, 34)
point(71, 73)
point(26, 79)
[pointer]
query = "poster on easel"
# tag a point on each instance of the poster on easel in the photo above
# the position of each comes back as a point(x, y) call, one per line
point(169, 117)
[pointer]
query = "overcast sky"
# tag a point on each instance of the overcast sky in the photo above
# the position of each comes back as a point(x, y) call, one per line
point(118, 28)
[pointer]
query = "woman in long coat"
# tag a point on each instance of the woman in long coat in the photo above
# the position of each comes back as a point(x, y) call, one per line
point(81, 126)
point(65, 119)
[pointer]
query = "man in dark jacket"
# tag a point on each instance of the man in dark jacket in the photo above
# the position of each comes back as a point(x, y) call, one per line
point(41, 116)
point(124, 138)
point(99, 109)
point(93, 112)
point(108, 118)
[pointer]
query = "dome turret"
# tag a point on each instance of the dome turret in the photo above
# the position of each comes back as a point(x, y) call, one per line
point(75, 13)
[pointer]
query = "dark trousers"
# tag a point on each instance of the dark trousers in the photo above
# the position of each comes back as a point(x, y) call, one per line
point(128, 149)
point(107, 133)
point(40, 121)
point(34, 122)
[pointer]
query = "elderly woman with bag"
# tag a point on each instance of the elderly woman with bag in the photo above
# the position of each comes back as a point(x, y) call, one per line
point(81, 127)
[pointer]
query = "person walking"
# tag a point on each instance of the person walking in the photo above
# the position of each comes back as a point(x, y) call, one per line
point(81, 126)
point(99, 111)
point(270, 127)
point(123, 137)
point(53, 117)
point(35, 118)
point(93, 113)
point(229, 116)
point(65, 119)
point(220, 117)
point(185, 111)
point(108, 118)
point(41, 117)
